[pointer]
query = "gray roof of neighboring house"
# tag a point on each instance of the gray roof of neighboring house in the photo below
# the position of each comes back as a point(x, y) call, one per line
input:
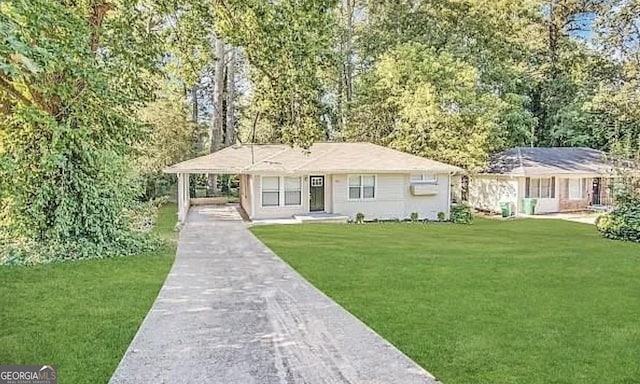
point(524, 161)
point(321, 158)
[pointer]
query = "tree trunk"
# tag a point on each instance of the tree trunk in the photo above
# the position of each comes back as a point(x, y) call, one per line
point(194, 104)
point(345, 84)
point(217, 121)
point(230, 134)
point(349, 50)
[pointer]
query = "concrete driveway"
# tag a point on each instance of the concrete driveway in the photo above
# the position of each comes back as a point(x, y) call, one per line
point(231, 311)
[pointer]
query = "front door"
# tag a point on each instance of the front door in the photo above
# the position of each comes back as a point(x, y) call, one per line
point(316, 192)
point(595, 191)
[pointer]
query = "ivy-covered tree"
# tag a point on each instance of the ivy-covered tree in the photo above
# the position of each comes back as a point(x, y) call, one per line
point(72, 78)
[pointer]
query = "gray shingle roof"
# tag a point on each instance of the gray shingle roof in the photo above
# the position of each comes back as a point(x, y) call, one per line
point(321, 157)
point(524, 161)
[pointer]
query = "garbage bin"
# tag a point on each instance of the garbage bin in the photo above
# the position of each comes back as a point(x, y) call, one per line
point(529, 206)
point(506, 209)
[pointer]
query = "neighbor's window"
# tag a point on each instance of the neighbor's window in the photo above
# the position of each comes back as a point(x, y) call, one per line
point(362, 187)
point(427, 178)
point(575, 189)
point(540, 187)
point(270, 191)
point(292, 191)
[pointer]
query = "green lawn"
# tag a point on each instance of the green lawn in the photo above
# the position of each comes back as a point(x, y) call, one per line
point(528, 301)
point(81, 316)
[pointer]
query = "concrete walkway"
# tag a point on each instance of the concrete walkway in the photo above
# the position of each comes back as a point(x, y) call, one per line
point(232, 312)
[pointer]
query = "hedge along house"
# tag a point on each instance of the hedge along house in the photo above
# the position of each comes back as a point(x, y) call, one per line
point(340, 179)
point(560, 179)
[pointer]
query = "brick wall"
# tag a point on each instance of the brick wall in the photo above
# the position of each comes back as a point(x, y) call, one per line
point(567, 205)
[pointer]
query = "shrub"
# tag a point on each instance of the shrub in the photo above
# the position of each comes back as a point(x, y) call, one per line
point(414, 217)
point(623, 222)
point(359, 218)
point(442, 216)
point(461, 214)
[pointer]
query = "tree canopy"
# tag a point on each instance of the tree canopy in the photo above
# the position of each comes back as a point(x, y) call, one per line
point(97, 96)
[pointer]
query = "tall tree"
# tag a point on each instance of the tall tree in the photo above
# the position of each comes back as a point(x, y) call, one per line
point(287, 44)
point(230, 134)
point(217, 122)
point(71, 84)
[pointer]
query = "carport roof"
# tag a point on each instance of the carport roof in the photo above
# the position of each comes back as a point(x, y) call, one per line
point(320, 158)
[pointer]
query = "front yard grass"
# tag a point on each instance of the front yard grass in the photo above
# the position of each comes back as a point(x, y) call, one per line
point(81, 316)
point(527, 301)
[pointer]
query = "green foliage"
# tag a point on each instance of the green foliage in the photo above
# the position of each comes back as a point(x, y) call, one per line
point(461, 214)
point(431, 104)
point(501, 301)
point(442, 216)
point(71, 85)
point(287, 43)
point(359, 218)
point(623, 222)
point(82, 314)
point(169, 137)
point(414, 217)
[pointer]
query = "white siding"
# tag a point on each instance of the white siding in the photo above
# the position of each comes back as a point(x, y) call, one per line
point(392, 198)
point(543, 205)
point(487, 192)
point(279, 212)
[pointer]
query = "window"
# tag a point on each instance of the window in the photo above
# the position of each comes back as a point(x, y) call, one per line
point(270, 191)
point(575, 189)
point(317, 181)
point(292, 191)
point(362, 187)
point(543, 188)
point(427, 178)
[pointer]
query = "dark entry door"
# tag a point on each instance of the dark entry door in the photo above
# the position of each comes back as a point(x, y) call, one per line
point(595, 191)
point(316, 190)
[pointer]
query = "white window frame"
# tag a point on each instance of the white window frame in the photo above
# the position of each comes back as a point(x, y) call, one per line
point(583, 188)
point(284, 191)
point(551, 188)
point(362, 176)
point(423, 178)
point(262, 192)
point(281, 192)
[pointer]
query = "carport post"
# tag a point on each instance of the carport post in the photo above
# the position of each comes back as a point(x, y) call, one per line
point(183, 196)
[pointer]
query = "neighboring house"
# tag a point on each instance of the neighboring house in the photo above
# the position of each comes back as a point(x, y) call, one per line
point(560, 179)
point(278, 181)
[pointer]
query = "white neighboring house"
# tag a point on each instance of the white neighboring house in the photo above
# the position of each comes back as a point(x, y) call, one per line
point(560, 179)
point(278, 181)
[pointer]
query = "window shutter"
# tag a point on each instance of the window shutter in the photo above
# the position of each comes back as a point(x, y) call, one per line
point(553, 187)
point(527, 187)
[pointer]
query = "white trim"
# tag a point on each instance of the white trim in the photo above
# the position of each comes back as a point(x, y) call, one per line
point(281, 192)
point(362, 175)
point(324, 193)
point(423, 178)
point(284, 190)
point(252, 196)
point(582, 188)
point(448, 212)
point(262, 192)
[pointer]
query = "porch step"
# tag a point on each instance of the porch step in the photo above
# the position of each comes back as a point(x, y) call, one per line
point(600, 208)
point(321, 218)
